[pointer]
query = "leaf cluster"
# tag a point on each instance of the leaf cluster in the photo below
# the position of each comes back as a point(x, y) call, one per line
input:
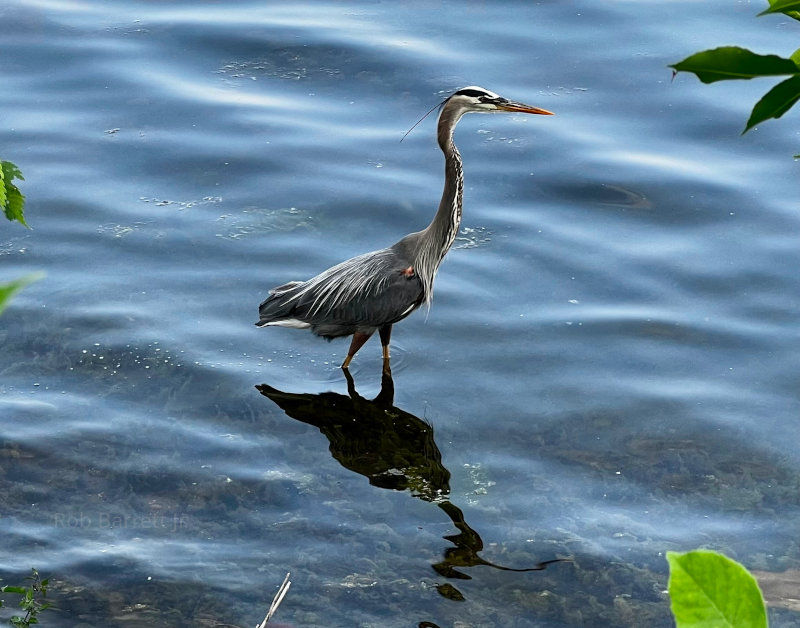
point(30, 600)
point(732, 62)
point(12, 200)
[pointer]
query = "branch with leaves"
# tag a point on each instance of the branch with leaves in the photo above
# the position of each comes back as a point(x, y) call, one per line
point(30, 601)
point(732, 62)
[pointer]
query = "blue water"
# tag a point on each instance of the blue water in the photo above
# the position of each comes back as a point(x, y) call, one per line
point(608, 371)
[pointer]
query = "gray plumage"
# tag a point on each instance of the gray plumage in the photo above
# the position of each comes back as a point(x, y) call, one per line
point(375, 290)
point(360, 294)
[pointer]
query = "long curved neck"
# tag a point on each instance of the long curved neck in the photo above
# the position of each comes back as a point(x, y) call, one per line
point(438, 237)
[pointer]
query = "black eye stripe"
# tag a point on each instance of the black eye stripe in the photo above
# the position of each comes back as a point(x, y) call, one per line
point(473, 93)
point(481, 95)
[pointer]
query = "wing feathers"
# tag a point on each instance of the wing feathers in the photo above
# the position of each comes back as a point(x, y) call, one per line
point(362, 293)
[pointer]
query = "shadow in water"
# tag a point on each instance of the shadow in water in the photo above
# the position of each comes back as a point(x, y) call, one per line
point(396, 450)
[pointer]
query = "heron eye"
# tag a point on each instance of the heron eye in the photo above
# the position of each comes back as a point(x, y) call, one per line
point(492, 100)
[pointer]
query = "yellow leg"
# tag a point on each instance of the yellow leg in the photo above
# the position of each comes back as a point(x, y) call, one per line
point(386, 335)
point(358, 341)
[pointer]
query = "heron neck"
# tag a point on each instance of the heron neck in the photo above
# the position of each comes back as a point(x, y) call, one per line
point(444, 226)
point(439, 235)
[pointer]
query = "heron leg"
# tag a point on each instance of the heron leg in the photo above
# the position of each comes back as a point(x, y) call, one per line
point(386, 335)
point(358, 341)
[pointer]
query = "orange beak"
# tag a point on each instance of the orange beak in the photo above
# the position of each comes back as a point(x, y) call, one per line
point(518, 106)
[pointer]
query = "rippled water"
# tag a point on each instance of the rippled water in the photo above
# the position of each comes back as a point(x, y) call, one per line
point(608, 372)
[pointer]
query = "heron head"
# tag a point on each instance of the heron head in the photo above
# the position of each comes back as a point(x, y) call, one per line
point(475, 99)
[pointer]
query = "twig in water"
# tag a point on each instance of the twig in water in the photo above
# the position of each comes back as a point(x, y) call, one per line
point(276, 601)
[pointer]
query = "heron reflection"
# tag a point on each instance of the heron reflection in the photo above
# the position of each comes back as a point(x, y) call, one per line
point(393, 449)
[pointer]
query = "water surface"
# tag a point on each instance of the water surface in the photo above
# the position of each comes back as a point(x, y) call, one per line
point(608, 372)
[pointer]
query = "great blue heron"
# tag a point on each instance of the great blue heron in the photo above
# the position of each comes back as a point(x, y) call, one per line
point(374, 291)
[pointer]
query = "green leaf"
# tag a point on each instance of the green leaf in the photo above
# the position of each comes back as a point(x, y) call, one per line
point(709, 590)
point(2, 189)
point(8, 290)
point(732, 62)
point(11, 171)
point(15, 204)
point(775, 102)
point(18, 590)
point(789, 7)
point(11, 199)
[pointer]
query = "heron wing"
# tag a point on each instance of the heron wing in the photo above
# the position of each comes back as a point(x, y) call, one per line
point(360, 294)
point(395, 296)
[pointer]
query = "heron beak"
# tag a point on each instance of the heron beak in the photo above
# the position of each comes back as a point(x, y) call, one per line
point(518, 106)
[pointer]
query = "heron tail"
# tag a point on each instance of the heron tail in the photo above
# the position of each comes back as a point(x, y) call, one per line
point(279, 308)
